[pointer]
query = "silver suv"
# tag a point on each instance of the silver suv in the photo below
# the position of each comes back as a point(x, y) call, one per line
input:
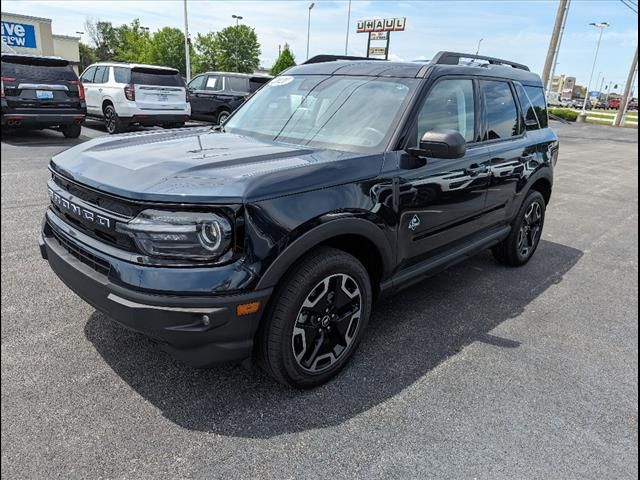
point(132, 94)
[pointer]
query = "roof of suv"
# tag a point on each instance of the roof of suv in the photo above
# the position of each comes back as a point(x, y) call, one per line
point(133, 65)
point(442, 62)
point(236, 74)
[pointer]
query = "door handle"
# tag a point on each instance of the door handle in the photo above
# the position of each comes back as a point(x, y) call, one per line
point(99, 89)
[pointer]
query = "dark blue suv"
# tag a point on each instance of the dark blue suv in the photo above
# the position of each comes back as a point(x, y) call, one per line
point(339, 182)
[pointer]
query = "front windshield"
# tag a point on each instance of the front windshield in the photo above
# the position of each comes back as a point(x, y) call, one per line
point(335, 112)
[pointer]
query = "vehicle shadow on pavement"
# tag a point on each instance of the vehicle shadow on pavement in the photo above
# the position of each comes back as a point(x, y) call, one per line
point(409, 335)
point(40, 138)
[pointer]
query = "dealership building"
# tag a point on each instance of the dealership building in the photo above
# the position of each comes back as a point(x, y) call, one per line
point(34, 36)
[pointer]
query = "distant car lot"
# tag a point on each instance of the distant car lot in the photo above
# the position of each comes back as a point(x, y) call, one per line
point(481, 371)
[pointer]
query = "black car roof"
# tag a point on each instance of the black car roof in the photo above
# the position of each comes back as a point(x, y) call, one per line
point(479, 66)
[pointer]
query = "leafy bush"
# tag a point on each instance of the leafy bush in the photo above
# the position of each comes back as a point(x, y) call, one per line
point(564, 113)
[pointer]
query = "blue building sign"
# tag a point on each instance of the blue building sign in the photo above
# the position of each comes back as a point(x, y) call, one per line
point(18, 35)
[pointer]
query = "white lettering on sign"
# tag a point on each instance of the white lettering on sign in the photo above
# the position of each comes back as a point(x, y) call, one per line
point(18, 34)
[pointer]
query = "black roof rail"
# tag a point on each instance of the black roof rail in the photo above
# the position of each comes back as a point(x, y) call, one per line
point(333, 58)
point(453, 58)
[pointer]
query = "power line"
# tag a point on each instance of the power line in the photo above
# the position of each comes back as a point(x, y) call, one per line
point(630, 6)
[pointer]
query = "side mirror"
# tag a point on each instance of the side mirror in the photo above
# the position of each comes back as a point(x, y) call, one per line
point(441, 144)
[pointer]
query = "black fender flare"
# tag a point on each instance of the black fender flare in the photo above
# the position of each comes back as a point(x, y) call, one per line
point(322, 233)
point(543, 173)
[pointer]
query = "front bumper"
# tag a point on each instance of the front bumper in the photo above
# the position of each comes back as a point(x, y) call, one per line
point(196, 329)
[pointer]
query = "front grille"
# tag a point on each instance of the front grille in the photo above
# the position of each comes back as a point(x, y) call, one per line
point(89, 259)
point(99, 199)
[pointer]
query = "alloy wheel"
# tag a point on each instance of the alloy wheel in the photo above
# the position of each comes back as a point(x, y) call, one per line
point(529, 233)
point(110, 120)
point(327, 323)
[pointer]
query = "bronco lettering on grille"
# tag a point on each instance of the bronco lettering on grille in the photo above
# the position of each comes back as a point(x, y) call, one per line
point(81, 212)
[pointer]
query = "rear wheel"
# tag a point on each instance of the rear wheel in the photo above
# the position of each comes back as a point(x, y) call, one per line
point(518, 248)
point(318, 317)
point(72, 131)
point(222, 117)
point(112, 122)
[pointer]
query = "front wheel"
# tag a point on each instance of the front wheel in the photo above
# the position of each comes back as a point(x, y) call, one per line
point(518, 248)
point(222, 117)
point(318, 317)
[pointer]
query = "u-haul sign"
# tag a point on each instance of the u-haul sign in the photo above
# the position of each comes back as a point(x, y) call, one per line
point(381, 25)
point(18, 35)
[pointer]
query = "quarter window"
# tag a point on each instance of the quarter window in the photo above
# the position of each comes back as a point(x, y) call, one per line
point(449, 106)
point(536, 97)
point(237, 84)
point(121, 74)
point(500, 107)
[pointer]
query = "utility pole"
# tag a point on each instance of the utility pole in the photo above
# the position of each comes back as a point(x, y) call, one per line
point(478, 49)
point(555, 39)
point(557, 52)
point(187, 57)
point(627, 89)
point(346, 41)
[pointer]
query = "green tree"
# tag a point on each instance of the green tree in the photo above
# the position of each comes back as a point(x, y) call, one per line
point(87, 56)
point(104, 37)
point(167, 49)
point(204, 59)
point(284, 61)
point(133, 43)
point(237, 49)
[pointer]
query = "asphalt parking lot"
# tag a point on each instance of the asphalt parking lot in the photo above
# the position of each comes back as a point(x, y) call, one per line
point(479, 372)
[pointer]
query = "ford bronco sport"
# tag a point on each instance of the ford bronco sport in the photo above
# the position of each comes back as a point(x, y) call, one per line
point(339, 182)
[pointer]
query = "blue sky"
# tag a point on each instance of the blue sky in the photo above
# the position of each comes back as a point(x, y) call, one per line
point(517, 30)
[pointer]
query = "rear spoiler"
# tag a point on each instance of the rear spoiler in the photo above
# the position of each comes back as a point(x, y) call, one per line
point(35, 60)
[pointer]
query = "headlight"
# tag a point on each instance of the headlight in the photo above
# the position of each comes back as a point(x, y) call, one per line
point(184, 235)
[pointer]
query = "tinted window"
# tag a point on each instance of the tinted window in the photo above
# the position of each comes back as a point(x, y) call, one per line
point(237, 84)
point(157, 77)
point(26, 70)
point(501, 111)
point(448, 106)
point(87, 76)
point(536, 97)
point(121, 74)
point(530, 116)
point(256, 83)
point(213, 83)
point(197, 83)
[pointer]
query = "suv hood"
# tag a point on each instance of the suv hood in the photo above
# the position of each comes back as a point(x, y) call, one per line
point(199, 165)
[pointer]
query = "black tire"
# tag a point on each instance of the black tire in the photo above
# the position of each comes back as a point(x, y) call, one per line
point(71, 131)
point(518, 248)
point(112, 122)
point(330, 278)
point(222, 116)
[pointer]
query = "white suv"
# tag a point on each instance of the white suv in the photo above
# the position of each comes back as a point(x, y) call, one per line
point(132, 94)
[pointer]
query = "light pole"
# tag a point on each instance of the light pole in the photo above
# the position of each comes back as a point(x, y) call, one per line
point(309, 27)
point(238, 18)
point(346, 42)
point(602, 25)
point(187, 56)
point(478, 49)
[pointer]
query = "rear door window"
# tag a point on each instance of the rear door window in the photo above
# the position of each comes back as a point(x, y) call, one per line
point(500, 109)
point(101, 74)
point(237, 84)
point(213, 83)
point(157, 77)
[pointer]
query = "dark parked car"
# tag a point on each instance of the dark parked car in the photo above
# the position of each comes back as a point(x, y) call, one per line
point(215, 95)
point(336, 184)
point(41, 92)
